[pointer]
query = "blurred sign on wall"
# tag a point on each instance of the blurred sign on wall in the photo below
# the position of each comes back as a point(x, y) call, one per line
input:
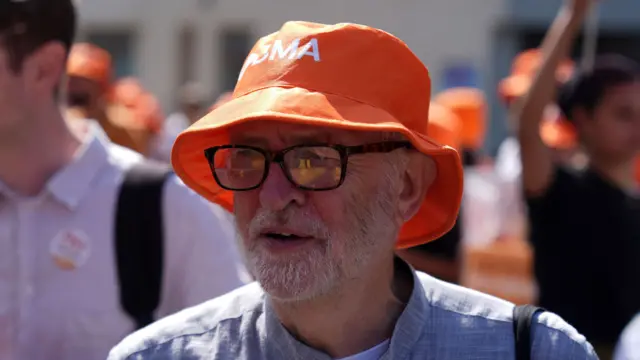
point(459, 74)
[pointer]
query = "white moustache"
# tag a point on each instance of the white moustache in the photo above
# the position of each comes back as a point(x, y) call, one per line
point(297, 221)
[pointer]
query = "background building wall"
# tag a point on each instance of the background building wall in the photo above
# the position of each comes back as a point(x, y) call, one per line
point(440, 32)
point(463, 42)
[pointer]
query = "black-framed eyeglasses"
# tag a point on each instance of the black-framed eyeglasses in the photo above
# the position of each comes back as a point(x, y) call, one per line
point(317, 167)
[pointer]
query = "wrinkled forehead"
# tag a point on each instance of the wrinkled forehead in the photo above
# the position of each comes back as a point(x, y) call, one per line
point(273, 134)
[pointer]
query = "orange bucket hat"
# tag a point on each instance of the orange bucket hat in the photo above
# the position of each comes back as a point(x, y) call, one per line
point(444, 126)
point(470, 105)
point(90, 62)
point(343, 76)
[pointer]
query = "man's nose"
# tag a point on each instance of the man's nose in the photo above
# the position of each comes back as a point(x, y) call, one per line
point(277, 192)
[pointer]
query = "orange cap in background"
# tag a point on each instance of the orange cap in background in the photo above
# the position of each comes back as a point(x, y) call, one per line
point(556, 132)
point(145, 110)
point(444, 126)
point(470, 106)
point(90, 62)
point(127, 91)
point(149, 112)
point(324, 83)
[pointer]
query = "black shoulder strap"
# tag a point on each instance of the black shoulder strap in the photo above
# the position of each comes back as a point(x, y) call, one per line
point(522, 319)
point(139, 240)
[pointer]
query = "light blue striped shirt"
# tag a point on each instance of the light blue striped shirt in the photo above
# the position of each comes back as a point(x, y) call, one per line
point(440, 322)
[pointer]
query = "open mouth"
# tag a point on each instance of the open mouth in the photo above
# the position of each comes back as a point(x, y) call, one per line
point(285, 237)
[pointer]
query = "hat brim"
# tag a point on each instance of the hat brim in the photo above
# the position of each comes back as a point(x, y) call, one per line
point(439, 209)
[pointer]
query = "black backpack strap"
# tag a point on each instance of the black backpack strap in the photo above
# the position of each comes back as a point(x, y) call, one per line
point(522, 319)
point(139, 240)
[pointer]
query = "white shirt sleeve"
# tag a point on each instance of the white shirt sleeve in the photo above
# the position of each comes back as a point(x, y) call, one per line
point(201, 256)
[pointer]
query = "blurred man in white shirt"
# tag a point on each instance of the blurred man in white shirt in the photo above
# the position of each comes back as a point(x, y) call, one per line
point(59, 289)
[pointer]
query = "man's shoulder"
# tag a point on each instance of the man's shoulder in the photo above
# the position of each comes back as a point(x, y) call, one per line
point(489, 320)
point(193, 325)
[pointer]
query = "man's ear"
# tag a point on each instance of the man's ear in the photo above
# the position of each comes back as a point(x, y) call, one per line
point(47, 66)
point(420, 173)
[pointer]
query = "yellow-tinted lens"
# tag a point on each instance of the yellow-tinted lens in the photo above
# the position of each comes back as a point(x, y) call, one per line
point(314, 167)
point(239, 168)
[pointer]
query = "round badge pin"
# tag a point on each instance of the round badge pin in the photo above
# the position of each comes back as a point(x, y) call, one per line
point(70, 249)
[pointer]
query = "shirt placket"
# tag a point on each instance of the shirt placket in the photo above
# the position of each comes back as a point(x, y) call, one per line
point(26, 231)
point(9, 302)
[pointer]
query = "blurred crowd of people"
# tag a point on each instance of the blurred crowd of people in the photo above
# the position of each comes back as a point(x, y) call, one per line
point(557, 210)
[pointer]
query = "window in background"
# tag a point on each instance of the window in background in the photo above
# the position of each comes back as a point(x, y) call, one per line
point(619, 42)
point(235, 46)
point(120, 45)
point(186, 55)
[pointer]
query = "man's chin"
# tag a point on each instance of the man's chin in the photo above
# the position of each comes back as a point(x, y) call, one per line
point(293, 281)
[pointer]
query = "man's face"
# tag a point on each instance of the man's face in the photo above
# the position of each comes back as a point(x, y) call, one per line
point(613, 130)
point(13, 100)
point(343, 232)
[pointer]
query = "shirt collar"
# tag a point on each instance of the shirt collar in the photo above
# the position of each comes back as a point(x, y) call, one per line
point(406, 334)
point(71, 183)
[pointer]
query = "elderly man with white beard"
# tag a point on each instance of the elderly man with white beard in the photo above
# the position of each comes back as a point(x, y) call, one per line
point(324, 156)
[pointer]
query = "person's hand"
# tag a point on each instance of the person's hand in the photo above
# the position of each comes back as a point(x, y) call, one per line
point(580, 7)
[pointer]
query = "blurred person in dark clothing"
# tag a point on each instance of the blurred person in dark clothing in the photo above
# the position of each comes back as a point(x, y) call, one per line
point(585, 225)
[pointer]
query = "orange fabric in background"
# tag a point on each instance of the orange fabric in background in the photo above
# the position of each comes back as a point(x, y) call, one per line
point(470, 106)
point(444, 126)
point(523, 68)
point(503, 269)
point(146, 110)
point(556, 132)
point(137, 111)
point(638, 169)
point(529, 61)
